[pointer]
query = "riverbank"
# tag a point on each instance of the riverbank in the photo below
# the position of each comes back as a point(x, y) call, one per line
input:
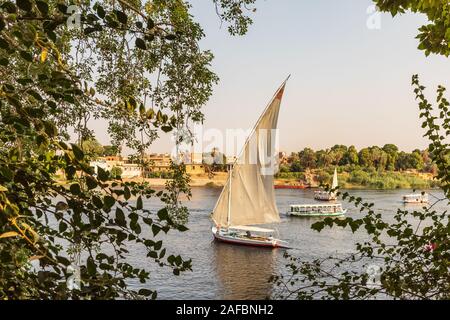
point(363, 179)
point(354, 180)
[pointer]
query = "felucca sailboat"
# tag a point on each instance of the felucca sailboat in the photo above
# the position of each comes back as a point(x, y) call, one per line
point(248, 197)
point(327, 195)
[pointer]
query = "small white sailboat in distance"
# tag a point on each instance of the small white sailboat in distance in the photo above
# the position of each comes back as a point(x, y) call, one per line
point(327, 195)
point(415, 198)
point(248, 197)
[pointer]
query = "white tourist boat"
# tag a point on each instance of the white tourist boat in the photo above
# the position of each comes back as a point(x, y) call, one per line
point(415, 198)
point(248, 197)
point(325, 195)
point(316, 210)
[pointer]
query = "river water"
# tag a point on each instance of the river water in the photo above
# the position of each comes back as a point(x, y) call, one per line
point(223, 271)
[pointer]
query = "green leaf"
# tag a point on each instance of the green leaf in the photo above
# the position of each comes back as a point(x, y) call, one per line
point(42, 7)
point(79, 154)
point(91, 182)
point(109, 201)
point(24, 5)
point(163, 214)
point(75, 189)
point(26, 56)
point(62, 8)
point(120, 218)
point(97, 202)
point(121, 16)
point(62, 226)
point(6, 173)
point(149, 37)
point(145, 292)
point(139, 204)
point(141, 44)
point(89, 30)
point(126, 193)
point(63, 260)
point(4, 44)
point(102, 174)
point(61, 206)
point(150, 23)
point(100, 11)
point(91, 267)
point(155, 229)
point(318, 226)
point(158, 245)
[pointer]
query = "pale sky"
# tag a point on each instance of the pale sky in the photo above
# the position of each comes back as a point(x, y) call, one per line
point(350, 85)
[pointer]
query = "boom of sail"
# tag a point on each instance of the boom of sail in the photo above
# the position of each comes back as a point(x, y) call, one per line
point(248, 197)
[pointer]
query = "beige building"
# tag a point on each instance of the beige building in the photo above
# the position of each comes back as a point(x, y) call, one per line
point(157, 163)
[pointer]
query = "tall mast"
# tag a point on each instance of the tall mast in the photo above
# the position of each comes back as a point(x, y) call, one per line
point(229, 197)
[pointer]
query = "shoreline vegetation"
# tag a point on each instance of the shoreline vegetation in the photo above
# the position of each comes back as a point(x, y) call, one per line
point(357, 179)
point(378, 168)
point(374, 167)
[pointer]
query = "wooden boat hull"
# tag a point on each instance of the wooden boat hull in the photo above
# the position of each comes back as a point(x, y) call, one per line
point(268, 243)
point(415, 202)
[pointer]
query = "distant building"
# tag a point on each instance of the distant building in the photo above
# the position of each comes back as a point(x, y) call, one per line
point(111, 158)
point(196, 158)
point(131, 170)
point(157, 163)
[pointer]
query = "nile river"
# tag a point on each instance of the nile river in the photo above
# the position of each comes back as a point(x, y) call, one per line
point(222, 271)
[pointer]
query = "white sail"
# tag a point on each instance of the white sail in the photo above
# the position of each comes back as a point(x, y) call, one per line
point(250, 184)
point(335, 180)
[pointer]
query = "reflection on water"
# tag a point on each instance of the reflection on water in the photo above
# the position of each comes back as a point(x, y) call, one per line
point(241, 268)
point(224, 271)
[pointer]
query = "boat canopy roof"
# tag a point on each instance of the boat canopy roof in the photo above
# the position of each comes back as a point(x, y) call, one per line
point(250, 228)
point(315, 205)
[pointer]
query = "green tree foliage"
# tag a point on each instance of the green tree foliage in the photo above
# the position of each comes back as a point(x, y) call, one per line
point(136, 65)
point(350, 156)
point(92, 148)
point(369, 158)
point(392, 155)
point(116, 172)
point(307, 158)
point(434, 37)
point(234, 12)
point(109, 151)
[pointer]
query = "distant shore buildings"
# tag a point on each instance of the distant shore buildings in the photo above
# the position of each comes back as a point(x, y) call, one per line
point(156, 164)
